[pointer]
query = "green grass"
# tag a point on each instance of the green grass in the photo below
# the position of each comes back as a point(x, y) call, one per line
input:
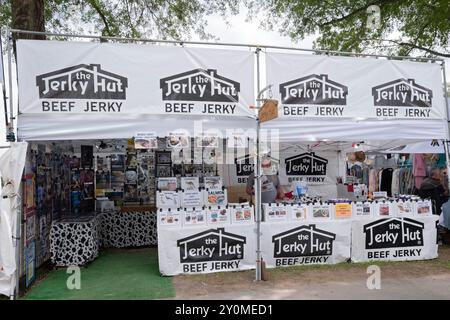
point(132, 275)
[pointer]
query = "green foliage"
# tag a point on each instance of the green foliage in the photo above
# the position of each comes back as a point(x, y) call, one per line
point(407, 27)
point(164, 19)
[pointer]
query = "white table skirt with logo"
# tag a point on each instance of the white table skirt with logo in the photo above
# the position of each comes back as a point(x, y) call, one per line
point(395, 239)
point(305, 242)
point(206, 249)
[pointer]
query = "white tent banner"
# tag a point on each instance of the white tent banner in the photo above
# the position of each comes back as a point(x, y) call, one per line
point(347, 87)
point(308, 242)
point(194, 250)
point(112, 83)
point(400, 239)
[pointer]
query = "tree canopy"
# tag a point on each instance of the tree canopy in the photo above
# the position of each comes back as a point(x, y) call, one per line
point(165, 19)
point(406, 27)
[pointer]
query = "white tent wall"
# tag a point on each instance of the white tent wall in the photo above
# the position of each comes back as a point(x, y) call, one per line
point(12, 163)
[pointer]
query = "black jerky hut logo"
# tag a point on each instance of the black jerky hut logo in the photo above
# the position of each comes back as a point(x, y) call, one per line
point(82, 82)
point(200, 85)
point(211, 245)
point(394, 233)
point(303, 241)
point(402, 93)
point(244, 166)
point(313, 89)
point(306, 164)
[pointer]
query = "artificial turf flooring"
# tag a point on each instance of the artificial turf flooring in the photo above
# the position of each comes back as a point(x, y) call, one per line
point(127, 275)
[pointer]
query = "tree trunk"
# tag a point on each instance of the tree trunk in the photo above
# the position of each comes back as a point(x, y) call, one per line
point(27, 15)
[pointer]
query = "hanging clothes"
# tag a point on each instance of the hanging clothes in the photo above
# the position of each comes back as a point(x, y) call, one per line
point(386, 181)
point(395, 185)
point(419, 169)
point(373, 180)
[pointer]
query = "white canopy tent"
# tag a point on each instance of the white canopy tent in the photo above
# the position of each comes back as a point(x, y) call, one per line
point(434, 146)
point(147, 81)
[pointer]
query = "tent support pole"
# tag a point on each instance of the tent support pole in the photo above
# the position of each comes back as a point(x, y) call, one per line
point(10, 81)
point(446, 141)
point(258, 179)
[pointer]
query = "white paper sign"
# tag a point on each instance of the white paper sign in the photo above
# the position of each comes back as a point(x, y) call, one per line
point(218, 215)
point(192, 199)
point(274, 212)
point(394, 238)
point(299, 243)
point(167, 199)
point(190, 183)
point(209, 249)
point(215, 197)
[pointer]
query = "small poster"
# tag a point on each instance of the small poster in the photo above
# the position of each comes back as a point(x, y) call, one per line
point(30, 263)
point(343, 210)
point(208, 140)
point(191, 199)
point(166, 199)
point(216, 197)
point(131, 176)
point(218, 215)
point(167, 184)
point(194, 217)
point(321, 211)
point(405, 208)
point(30, 228)
point(145, 140)
point(169, 217)
point(130, 193)
point(213, 183)
point(362, 209)
point(29, 193)
point(102, 163)
point(103, 180)
point(424, 208)
point(299, 212)
point(243, 214)
point(276, 213)
point(117, 179)
point(178, 140)
point(117, 162)
point(190, 183)
point(237, 140)
point(384, 209)
point(87, 156)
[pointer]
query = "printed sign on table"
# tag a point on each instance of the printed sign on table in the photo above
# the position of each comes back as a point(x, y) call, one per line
point(343, 210)
point(362, 209)
point(299, 243)
point(206, 249)
point(394, 238)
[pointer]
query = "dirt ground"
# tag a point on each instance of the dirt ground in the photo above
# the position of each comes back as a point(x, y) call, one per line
point(342, 277)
